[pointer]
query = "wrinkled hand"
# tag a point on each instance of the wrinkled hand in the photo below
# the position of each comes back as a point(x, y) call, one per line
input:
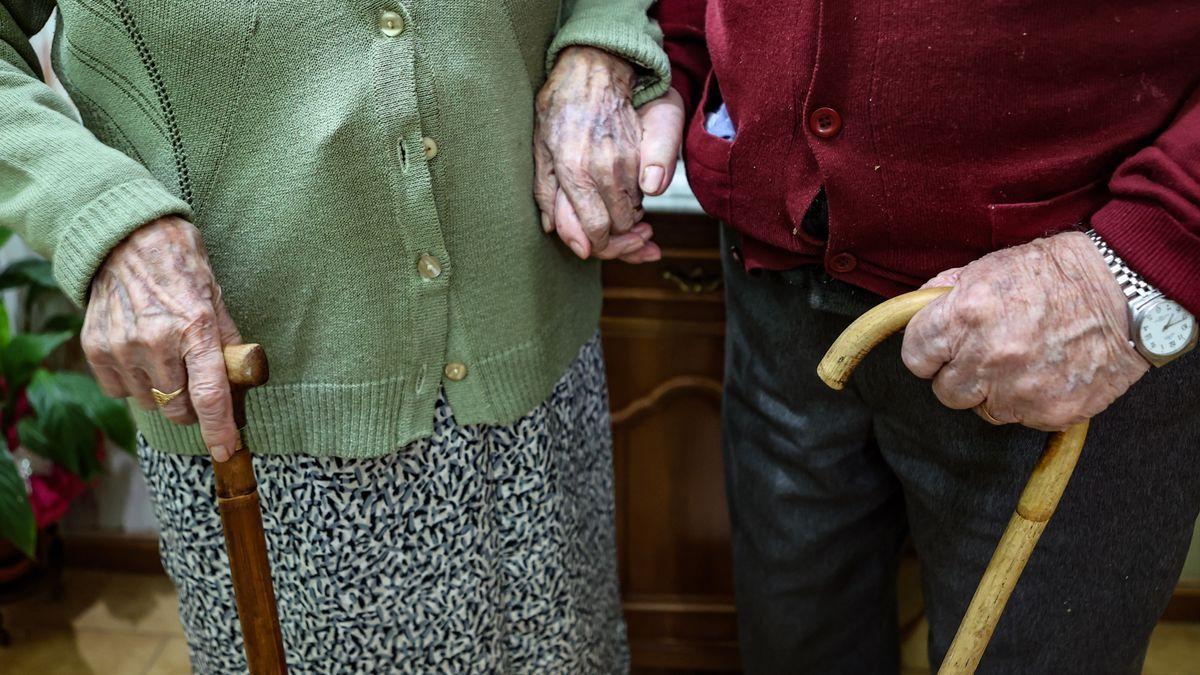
point(595, 155)
point(156, 319)
point(1037, 334)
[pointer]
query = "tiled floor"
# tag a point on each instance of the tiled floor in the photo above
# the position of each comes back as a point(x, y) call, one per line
point(126, 624)
point(105, 623)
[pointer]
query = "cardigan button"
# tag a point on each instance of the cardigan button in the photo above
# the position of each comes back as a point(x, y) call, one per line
point(825, 122)
point(391, 24)
point(430, 147)
point(843, 263)
point(429, 267)
point(455, 371)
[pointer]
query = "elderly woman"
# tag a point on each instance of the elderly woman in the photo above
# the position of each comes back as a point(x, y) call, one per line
point(358, 177)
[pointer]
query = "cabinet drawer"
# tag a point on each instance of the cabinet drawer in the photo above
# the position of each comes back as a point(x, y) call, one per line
point(685, 285)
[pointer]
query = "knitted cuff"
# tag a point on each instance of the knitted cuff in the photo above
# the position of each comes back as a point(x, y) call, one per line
point(641, 46)
point(101, 224)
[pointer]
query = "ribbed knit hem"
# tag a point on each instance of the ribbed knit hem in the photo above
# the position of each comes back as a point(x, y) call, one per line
point(519, 379)
point(101, 224)
point(344, 420)
point(363, 420)
point(1156, 246)
point(638, 45)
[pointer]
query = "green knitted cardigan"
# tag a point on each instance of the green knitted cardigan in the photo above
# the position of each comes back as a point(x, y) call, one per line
point(296, 137)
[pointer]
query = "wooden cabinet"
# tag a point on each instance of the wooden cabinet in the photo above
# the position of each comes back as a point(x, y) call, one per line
point(663, 329)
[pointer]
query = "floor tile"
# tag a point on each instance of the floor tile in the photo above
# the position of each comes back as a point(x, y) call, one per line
point(63, 651)
point(1174, 650)
point(172, 660)
point(104, 600)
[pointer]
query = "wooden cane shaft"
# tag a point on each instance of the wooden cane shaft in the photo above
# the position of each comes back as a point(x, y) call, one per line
point(241, 519)
point(1005, 567)
point(1053, 471)
point(1038, 502)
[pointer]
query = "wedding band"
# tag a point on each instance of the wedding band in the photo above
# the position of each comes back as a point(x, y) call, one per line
point(982, 409)
point(162, 398)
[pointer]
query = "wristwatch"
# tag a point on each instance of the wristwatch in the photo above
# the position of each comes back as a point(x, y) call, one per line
point(1160, 329)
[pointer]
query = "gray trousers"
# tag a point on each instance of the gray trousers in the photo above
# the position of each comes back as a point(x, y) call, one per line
point(825, 486)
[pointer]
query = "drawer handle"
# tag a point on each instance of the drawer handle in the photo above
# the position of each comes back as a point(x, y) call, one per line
point(694, 282)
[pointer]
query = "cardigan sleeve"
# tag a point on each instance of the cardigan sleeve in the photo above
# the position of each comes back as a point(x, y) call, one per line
point(69, 196)
point(1153, 217)
point(622, 28)
point(682, 23)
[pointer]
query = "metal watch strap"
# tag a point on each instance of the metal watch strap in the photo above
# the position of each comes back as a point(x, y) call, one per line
point(1135, 288)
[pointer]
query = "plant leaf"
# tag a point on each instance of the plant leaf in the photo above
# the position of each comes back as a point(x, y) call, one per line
point(69, 445)
point(33, 272)
point(5, 235)
point(25, 352)
point(5, 325)
point(16, 514)
point(76, 392)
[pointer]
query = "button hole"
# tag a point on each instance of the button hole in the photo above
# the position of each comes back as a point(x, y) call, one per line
point(421, 378)
point(403, 157)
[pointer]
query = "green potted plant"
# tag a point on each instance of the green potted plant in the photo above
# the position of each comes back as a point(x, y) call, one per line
point(54, 420)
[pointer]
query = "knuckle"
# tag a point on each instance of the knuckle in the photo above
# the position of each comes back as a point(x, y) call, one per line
point(157, 335)
point(975, 304)
point(179, 415)
point(544, 192)
point(1007, 352)
point(208, 400)
point(126, 348)
point(574, 170)
point(110, 387)
point(95, 350)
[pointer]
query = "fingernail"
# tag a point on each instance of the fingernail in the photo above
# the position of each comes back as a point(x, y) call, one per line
point(578, 248)
point(220, 453)
point(546, 224)
point(652, 178)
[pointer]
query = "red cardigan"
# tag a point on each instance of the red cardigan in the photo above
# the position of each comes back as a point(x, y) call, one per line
point(945, 130)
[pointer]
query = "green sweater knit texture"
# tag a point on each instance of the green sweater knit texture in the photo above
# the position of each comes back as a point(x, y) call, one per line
point(296, 137)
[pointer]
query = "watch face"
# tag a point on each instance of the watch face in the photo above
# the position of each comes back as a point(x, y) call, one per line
point(1166, 328)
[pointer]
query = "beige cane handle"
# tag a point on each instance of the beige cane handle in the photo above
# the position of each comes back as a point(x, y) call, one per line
point(868, 330)
point(1037, 504)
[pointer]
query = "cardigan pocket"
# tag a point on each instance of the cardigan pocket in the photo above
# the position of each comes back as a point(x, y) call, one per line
point(1021, 222)
point(708, 157)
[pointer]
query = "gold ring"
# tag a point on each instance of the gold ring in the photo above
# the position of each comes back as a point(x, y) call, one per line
point(162, 398)
point(982, 410)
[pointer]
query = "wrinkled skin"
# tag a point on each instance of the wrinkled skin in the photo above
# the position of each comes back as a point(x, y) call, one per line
point(1038, 334)
point(595, 156)
point(156, 319)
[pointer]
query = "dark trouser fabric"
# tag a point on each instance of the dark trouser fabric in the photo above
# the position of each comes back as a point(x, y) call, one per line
point(824, 486)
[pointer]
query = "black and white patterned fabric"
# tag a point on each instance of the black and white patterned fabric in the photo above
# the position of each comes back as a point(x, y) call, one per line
point(482, 549)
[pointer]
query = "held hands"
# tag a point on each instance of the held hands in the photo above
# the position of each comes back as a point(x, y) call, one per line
point(595, 156)
point(1036, 334)
point(156, 320)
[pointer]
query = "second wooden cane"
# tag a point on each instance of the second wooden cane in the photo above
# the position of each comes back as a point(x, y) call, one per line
point(241, 518)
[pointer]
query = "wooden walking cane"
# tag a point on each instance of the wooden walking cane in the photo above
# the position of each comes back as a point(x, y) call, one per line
point(241, 517)
point(1038, 500)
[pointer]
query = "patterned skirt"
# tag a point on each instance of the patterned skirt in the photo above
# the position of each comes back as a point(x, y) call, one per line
point(484, 549)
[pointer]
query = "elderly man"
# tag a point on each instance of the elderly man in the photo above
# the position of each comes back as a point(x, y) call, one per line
point(358, 179)
point(1042, 158)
